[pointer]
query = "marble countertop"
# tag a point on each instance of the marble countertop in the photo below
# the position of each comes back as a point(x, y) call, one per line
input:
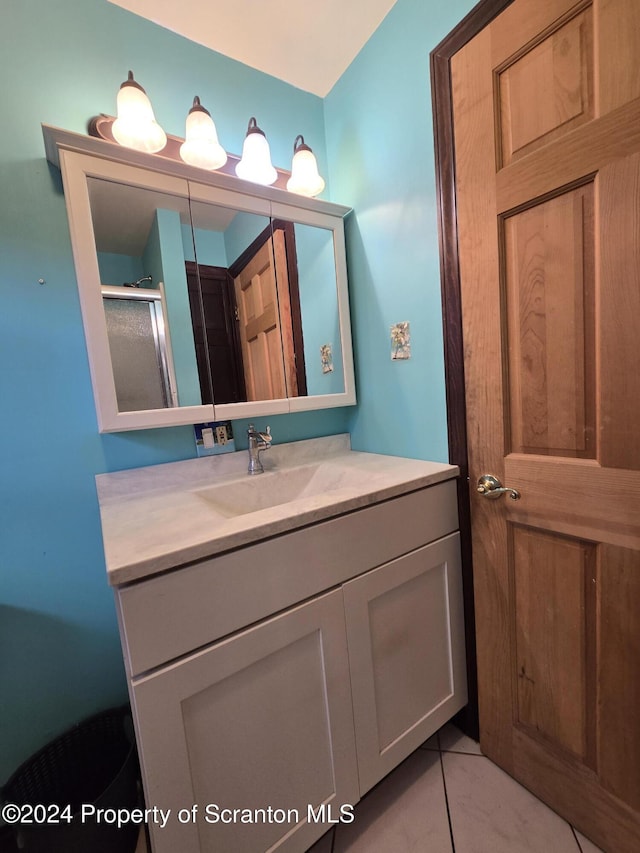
point(164, 516)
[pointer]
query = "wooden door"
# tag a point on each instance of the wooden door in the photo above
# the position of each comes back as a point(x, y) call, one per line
point(547, 150)
point(212, 295)
point(286, 264)
point(272, 257)
point(260, 337)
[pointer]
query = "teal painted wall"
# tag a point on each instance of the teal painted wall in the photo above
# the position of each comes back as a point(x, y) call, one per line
point(380, 148)
point(240, 234)
point(319, 307)
point(116, 269)
point(62, 63)
point(165, 242)
point(210, 246)
point(151, 259)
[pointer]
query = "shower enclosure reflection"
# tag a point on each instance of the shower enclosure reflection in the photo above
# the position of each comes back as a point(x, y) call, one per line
point(140, 238)
point(142, 367)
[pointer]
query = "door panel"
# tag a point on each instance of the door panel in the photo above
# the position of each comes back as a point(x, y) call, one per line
point(547, 149)
point(553, 649)
point(559, 62)
point(549, 282)
point(257, 302)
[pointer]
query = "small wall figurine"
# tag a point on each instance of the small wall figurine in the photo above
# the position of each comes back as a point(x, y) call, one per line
point(326, 358)
point(400, 341)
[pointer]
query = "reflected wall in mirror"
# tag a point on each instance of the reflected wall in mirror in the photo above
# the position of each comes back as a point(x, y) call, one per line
point(315, 269)
point(140, 246)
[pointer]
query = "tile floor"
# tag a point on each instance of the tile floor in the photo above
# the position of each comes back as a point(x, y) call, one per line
point(448, 798)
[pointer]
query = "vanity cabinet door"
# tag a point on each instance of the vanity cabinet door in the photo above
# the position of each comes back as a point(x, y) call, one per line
point(261, 720)
point(405, 629)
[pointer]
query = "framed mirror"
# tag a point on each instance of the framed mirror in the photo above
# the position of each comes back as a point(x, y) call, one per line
point(127, 230)
point(206, 299)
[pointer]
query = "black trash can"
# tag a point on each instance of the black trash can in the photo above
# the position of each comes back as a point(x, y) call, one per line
point(93, 763)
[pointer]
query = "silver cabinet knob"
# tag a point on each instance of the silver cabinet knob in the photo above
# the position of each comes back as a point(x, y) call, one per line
point(491, 487)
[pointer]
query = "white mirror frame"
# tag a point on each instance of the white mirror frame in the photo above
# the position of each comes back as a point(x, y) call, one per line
point(80, 158)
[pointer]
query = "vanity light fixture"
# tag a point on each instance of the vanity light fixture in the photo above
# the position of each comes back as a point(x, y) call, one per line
point(201, 147)
point(136, 126)
point(255, 165)
point(305, 179)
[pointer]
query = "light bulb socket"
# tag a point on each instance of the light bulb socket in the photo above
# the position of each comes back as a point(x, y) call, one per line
point(253, 127)
point(131, 82)
point(198, 108)
point(300, 145)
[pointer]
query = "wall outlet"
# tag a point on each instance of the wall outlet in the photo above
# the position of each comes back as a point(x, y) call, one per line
point(214, 438)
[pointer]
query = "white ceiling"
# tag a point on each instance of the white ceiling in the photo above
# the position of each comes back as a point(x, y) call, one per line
point(308, 44)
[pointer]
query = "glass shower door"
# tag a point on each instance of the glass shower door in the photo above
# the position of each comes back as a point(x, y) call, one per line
point(137, 340)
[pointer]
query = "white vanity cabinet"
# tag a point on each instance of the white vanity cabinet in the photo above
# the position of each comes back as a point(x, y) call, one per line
point(295, 671)
point(406, 652)
point(261, 720)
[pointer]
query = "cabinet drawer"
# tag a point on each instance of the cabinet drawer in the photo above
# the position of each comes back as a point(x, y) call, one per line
point(171, 615)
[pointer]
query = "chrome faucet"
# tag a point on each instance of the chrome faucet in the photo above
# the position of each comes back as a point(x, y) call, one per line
point(257, 441)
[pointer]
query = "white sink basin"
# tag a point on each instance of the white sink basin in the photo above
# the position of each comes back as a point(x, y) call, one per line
point(274, 488)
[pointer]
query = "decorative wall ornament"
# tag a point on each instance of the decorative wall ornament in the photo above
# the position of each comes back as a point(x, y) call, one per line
point(326, 357)
point(400, 341)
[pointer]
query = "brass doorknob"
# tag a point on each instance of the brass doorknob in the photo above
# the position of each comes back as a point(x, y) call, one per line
point(491, 487)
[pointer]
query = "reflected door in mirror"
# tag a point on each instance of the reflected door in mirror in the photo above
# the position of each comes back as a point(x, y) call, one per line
point(261, 260)
point(260, 337)
point(217, 342)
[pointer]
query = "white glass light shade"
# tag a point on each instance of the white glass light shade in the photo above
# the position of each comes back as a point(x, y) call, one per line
point(136, 126)
point(255, 165)
point(304, 179)
point(201, 147)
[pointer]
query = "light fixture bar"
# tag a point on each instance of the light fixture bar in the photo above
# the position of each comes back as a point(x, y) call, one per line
point(100, 128)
